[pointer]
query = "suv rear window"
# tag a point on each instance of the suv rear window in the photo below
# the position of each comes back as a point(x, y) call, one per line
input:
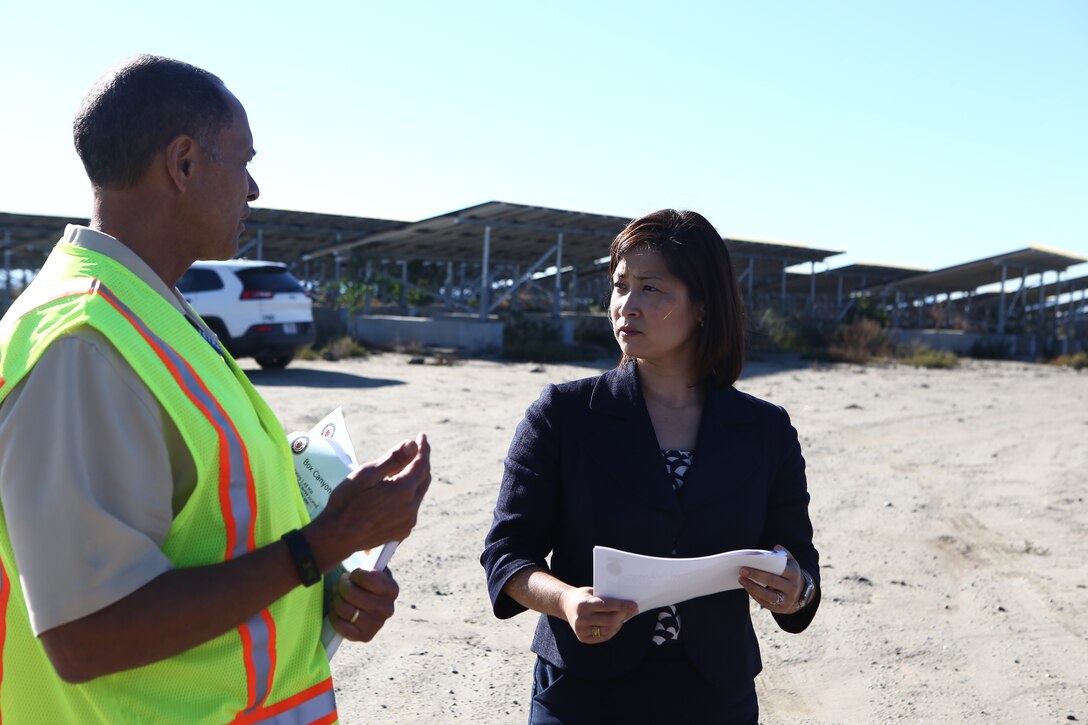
point(268, 279)
point(199, 280)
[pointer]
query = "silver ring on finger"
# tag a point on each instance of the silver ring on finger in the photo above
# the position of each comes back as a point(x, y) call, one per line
point(778, 599)
point(354, 617)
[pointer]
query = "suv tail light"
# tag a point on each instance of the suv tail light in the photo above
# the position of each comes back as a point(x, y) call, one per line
point(257, 294)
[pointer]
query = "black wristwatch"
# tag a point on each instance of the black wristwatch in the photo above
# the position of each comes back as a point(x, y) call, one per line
point(305, 561)
point(806, 595)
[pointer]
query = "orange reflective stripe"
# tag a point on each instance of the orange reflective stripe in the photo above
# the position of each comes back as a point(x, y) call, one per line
point(270, 624)
point(297, 708)
point(258, 633)
point(238, 505)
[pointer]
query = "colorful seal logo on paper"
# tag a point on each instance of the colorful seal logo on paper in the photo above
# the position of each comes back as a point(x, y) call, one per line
point(328, 431)
point(300, 445)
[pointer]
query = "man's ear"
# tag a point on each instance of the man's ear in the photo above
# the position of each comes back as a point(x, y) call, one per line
point(180, 160)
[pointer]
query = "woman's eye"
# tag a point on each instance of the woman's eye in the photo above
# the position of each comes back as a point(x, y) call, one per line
point(649, 288)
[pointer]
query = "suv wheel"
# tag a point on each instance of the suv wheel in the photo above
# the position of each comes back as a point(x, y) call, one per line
point(274, 362)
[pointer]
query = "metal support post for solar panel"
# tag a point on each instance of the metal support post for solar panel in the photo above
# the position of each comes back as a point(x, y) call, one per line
point(1001, 300)
point(515, 298)
point(1043, 327)
point(557, 304)
point(524, 278)
point(783, 284)
point(812, 285)
point(260, 242)
point(403, 286)
point(485, 282)
point(1061, 320)
point(751, 274)
point(368, 297)
point(838, 299)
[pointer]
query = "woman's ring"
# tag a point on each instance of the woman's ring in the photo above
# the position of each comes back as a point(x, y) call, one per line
point(354, 617)
point(778, 599)
point(594, 631)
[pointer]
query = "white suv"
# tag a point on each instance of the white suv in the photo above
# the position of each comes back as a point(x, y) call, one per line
point(257, 309)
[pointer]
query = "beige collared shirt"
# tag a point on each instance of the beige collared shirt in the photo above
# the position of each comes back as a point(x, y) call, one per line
point(92, 469)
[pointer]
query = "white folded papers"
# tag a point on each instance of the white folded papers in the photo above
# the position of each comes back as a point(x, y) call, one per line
point(323, 457)
point(654, 582)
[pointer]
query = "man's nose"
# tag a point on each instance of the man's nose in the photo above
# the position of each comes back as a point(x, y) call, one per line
point(254, 191)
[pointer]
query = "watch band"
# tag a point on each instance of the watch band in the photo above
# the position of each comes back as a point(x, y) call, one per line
point(806, 595)
point(303, 556)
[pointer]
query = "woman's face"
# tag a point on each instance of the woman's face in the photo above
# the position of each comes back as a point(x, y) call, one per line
point(653, 318)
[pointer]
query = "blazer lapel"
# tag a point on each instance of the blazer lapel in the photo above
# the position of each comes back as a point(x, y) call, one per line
point(628, 458)
point(723, 451)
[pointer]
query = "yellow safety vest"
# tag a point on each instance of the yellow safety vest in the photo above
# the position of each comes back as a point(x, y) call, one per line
point(272, 668)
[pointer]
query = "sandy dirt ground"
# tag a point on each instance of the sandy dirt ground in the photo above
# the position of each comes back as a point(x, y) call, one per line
point(949, 508)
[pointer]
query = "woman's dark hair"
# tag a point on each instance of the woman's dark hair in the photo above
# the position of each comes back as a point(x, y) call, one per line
point(137, 108)
point(696, 253)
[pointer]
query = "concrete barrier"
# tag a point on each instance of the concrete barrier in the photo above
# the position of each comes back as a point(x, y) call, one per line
point(956, 341)
point(468, 334)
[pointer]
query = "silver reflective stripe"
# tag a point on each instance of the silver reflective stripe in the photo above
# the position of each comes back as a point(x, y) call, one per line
point(307, 712)
point(259, 634)
point(259, 658)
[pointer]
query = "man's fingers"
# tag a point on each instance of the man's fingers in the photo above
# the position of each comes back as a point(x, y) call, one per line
point(393, 461)
point(380, 583)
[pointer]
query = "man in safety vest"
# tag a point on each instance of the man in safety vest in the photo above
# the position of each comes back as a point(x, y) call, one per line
point(156, 559)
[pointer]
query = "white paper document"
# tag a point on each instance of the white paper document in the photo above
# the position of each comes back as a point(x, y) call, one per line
point(654, 581)
point(323, 457)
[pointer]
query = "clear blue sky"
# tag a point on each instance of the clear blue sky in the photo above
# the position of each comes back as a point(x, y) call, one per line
point(908, 133)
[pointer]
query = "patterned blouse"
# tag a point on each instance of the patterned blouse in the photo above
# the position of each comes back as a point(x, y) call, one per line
point(667, 629)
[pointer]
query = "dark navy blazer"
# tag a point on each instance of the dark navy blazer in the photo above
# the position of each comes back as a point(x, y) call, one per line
point(584, 469)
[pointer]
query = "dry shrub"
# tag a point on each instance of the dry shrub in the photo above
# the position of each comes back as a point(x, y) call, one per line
point(922, 356)
point(1077, 360)
point(343, 347)
point(859, 342)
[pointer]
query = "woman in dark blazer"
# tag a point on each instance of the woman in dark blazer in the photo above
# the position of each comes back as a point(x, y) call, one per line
point(660, 456)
